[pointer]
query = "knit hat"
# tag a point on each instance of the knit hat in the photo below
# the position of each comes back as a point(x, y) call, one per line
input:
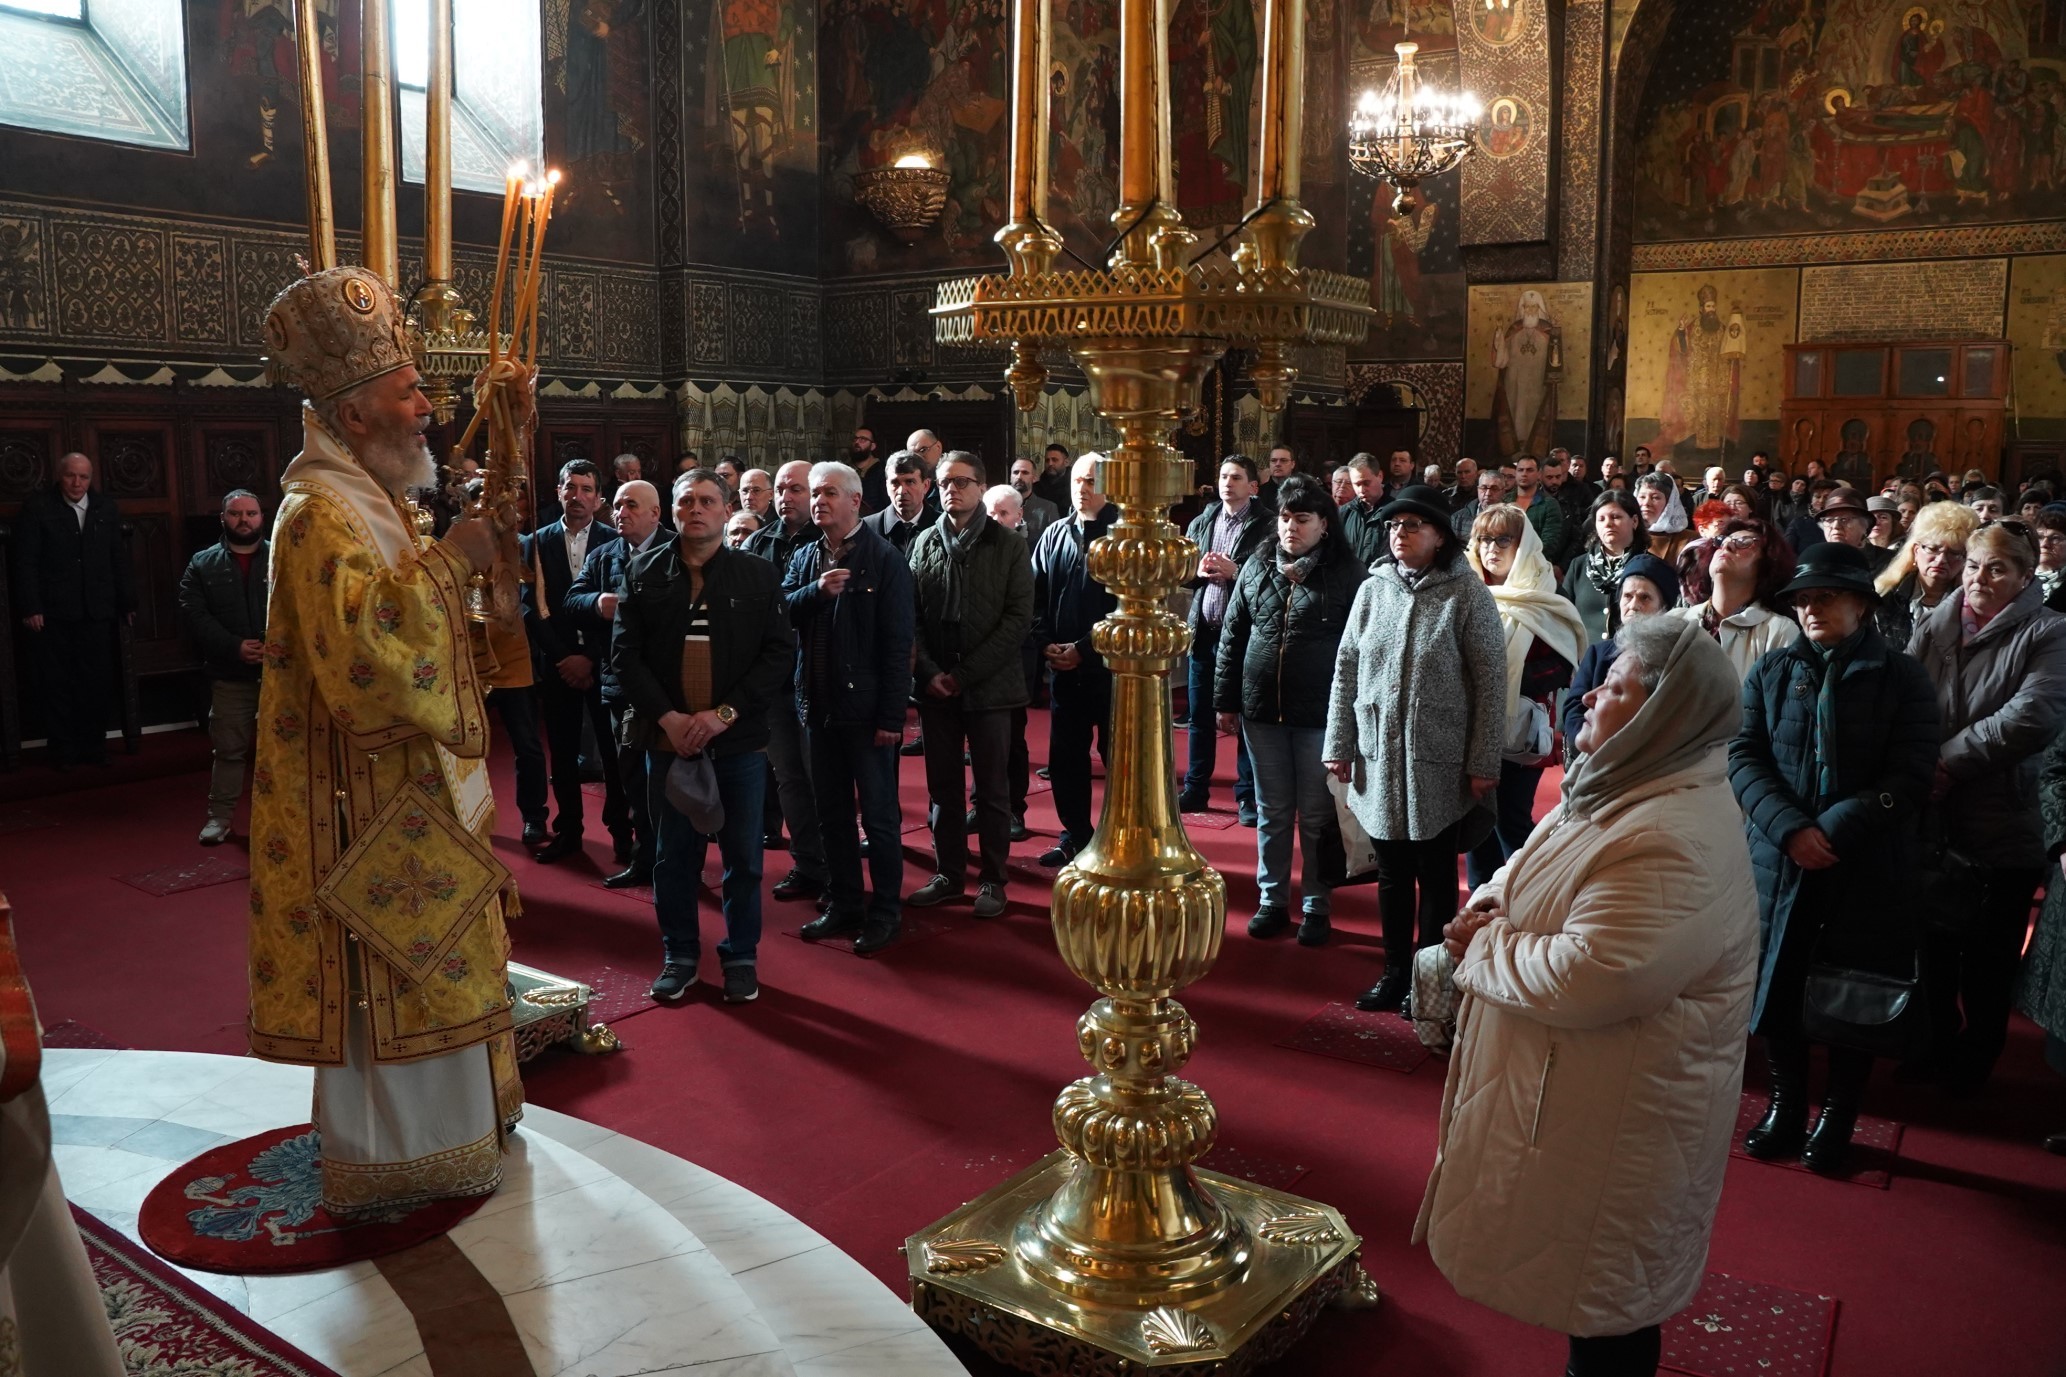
point(1648, 566)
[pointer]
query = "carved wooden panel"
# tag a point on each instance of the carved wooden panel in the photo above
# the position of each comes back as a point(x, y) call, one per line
point(28, 460)
point(131, 463)
point(232, 458)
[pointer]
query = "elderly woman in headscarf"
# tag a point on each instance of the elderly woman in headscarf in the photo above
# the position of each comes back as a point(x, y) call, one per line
point(1832, 767)
point(1606, 974)
point(1664, 515)
point(1544, 639)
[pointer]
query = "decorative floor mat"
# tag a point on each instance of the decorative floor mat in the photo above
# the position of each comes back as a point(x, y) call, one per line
point(1875, 1145)
point(196, 874)
point(1211, 822)
point(165, 1326)
point(1344, 1031)
point(1738, 1328)
point(78, 1035)
point(25, 818)
point(1261, 1168)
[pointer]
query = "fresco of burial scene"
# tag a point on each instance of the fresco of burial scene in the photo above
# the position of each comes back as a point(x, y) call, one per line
point(1795, 116)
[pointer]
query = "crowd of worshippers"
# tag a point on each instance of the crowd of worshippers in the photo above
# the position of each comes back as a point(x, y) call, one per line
point(1393, 661)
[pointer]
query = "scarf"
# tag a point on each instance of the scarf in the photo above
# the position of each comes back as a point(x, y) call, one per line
point(1530, 608)
point(1605, 572)
point(1830, 664)
point(961, 548)
point(1299, 569)
point(1672, 519)
point(1696, 708)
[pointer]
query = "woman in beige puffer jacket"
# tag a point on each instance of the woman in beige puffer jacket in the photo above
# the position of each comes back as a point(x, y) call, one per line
point(1599, 1047)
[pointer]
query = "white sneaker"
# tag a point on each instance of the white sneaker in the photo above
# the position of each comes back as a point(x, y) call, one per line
point(215, 832)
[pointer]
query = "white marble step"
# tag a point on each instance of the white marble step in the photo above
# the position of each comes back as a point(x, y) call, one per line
point(599, 1278)
point(833, 1318)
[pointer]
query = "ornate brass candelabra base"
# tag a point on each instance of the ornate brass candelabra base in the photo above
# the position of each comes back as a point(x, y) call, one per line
point(969, 1281)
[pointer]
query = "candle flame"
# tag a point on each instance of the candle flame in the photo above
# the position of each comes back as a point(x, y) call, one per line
point(517, 170)
point(914, 160)
point(552, 178)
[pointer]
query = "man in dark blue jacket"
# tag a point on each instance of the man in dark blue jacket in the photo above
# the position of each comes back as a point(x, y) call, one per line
point(222, 600)
point(71, 584)
point(789, 756)
point(594, 596)
point(565, 652)
point(703, 652)
point(1227, 532)
point(1067, 603)
point(851, 602)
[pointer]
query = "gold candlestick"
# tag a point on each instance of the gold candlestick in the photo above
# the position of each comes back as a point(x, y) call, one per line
point(315, 139)
point(1118, 1253)
point(379, 250)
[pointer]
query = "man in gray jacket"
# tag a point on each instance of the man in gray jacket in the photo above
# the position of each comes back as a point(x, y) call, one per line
point(973, 586)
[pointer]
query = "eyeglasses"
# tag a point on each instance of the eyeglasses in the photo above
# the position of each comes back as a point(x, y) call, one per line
point(960, 481)
point(1925, 550)
point(1741, 541)
point(1498, 542)
point(1407, 526)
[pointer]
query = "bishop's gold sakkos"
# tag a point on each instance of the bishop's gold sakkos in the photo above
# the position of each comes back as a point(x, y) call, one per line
point(1116, 1254)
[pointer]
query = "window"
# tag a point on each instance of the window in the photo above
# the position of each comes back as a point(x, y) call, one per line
point(498, 113)
point(113, 70)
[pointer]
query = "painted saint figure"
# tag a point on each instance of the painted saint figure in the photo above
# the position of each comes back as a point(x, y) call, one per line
point(1703, 378)
point(1528, 354)
point(754, 81)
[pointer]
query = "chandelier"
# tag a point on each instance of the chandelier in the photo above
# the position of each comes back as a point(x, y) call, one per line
point(1407, 131)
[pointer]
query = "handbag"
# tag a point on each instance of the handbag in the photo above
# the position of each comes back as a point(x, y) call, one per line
point(1529, 736)
point(1347, 856)
point(1869, 1011)
point(1949, 887)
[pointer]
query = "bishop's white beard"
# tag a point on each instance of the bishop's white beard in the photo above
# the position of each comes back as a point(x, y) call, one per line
point(398, 461)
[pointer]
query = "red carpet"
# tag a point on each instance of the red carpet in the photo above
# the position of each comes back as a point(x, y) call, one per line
point(256, 1205)
point(869, 1097)
point(166, 1326)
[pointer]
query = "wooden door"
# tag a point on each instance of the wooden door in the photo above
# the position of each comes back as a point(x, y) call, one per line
point(982, 428)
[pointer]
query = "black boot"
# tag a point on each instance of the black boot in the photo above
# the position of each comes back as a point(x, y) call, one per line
point(1784, 1130)
point(1829, 1147)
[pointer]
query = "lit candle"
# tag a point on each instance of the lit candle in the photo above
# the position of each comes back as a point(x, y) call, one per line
point(552, 182)
point(512, 190)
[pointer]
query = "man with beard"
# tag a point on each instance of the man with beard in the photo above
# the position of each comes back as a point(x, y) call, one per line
point(1037, 512)
point(1052, 486)
point(222, 600)
point(867, 461)
point(376, 942)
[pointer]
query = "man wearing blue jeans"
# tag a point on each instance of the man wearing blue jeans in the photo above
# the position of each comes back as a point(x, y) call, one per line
point(1227, 532)
point(702, 649)
point(850, 597)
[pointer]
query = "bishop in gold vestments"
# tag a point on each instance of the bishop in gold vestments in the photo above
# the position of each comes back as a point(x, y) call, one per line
point(378, 952)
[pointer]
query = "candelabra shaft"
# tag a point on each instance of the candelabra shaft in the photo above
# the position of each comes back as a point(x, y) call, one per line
point(1029, 171)
point(1284, 79)
point(437, 148)
point(379, 250)
point(315, 139)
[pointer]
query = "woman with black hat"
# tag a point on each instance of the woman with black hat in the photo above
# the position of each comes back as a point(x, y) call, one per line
point(1416, 723)
point(1832, 768)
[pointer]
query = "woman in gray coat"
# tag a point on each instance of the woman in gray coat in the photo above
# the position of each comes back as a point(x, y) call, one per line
point(1416, 722)
point(1998, 659)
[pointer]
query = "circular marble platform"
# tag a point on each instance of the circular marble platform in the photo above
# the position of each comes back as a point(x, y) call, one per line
point(613, 1257)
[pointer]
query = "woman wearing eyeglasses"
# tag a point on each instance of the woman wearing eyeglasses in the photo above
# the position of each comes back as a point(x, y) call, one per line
point(1925, 570)
point(1749, 564)
point(1544, 638)
point(1997, 656)
point(1416, 722)
point(2049, 529)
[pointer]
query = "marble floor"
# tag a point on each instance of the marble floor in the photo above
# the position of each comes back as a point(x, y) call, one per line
point(613, 1257)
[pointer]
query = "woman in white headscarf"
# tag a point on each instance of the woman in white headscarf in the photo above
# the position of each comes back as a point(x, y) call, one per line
point(1606, 975)
point(1664, 515)
point(1544, 638)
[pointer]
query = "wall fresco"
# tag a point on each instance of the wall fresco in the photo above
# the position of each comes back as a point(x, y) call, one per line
point(1705, 361)
point(1528, 367)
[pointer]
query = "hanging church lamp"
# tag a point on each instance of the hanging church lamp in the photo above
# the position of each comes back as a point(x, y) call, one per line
point(1408, 131)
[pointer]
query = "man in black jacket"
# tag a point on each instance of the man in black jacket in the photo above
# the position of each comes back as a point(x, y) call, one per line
point(565, 651)
point(1359, 527)
point(789, 754)
point(594, 597)
point(850, 599)
point(703, 651)
point(908, 513)
point(1067, 603)
point(71, 583)
point(222, 600)
point(1228, 532)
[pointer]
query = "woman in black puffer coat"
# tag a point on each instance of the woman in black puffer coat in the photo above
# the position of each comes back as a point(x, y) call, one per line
point(1277, 649)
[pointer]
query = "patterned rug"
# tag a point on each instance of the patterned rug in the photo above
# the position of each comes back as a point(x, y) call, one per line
point(1344, 1031)
point(1738, 1328)
point(256, 1205)
point(1874, 1145)
point(168, 1327)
